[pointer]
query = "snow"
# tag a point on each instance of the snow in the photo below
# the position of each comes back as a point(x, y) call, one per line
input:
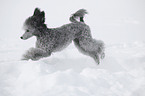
point(119, 23)
point(69, 73)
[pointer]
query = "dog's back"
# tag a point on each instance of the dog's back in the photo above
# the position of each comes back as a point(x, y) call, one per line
point(65, 34)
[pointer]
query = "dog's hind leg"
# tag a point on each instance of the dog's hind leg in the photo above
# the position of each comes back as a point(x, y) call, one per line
point(35, 54)
point(90, 47)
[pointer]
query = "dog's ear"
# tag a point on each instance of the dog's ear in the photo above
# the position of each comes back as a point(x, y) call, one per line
point(36, 12)
point(42, 16)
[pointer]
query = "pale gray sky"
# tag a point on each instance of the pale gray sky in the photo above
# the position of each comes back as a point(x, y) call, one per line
point(110, 20)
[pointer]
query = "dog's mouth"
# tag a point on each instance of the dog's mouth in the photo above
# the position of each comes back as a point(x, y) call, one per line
point(26, 35)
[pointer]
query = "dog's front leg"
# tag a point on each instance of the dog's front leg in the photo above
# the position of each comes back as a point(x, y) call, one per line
point(35, 54)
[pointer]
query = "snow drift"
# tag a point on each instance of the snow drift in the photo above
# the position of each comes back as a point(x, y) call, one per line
point(69, 73)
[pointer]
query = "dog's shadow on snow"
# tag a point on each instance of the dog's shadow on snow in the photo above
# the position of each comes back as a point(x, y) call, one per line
point(59, 64)
point(51, 65)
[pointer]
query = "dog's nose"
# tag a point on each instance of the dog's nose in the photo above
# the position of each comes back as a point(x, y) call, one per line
point(21, 37)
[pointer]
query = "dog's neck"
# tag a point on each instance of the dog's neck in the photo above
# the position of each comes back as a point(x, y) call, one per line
point(43, 32)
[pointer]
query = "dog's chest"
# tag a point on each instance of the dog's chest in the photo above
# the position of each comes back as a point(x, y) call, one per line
point(43, 43)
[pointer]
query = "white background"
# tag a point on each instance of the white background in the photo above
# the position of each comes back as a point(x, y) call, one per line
point(119, 23)
point(110, 20)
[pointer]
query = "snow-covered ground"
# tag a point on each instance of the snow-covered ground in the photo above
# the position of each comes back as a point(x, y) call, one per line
point(69, 73)
point(119, 23)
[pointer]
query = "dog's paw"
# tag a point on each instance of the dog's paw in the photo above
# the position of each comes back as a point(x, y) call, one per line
point(25, 57)
point(98, 62)
point(103, 55)
point(35, 54)
point(97, 59)
point(29, 57)
point(35, 58)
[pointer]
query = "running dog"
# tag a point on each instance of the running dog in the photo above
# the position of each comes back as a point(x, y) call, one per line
point(50, 40)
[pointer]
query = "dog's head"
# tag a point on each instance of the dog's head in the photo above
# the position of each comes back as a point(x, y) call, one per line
point(34, 24)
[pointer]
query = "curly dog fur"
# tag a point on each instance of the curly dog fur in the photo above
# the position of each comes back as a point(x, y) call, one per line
point(55, 39)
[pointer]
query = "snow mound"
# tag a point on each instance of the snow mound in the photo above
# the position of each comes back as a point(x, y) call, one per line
point(69, 73)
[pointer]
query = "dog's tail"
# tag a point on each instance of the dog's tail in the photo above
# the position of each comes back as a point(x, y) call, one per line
point(79, 14)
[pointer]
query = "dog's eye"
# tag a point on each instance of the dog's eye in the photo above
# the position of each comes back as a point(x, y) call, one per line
point(27, 30)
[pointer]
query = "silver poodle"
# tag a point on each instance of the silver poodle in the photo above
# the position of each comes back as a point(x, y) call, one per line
point(55, 39)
